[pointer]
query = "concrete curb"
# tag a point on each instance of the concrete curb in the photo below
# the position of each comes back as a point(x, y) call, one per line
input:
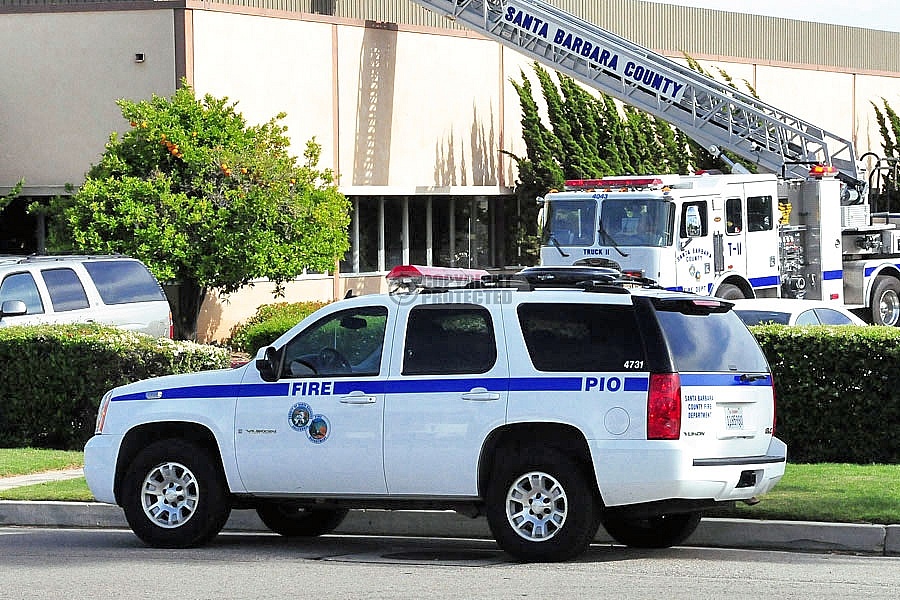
point(718, 533)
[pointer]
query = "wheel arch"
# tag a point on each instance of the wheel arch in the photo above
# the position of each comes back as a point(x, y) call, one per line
point(886, 273)
point(739, 282)
point(516, 436)
point(141, 436)
point(883, 270)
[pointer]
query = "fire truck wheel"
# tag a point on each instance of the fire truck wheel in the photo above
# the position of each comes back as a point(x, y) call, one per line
point(728, 291)
point(886, 301)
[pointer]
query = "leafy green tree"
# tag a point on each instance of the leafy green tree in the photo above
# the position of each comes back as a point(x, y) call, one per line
point(12, 195)
point(887, 195)
point(206, 201)
point(539, 171)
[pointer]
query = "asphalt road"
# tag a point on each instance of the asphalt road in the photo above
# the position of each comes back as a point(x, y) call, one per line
point(92, 563)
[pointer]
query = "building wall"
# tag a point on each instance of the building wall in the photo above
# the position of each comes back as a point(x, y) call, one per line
point(61, 74)
point(390, 107)
point(397, 97)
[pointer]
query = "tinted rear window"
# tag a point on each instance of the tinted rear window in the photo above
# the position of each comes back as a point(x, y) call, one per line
point(449, 340)
point(66, 291)
point(124, 281)
point(718, 341)
point(582, 337)
point(761, 317)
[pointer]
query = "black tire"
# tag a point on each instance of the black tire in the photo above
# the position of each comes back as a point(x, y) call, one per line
point(729, 291)
point(663, 531)
point(886, 301)
point(292, 521)
point(174, 495)
point(568, 516)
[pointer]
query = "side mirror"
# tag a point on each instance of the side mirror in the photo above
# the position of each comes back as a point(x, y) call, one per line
point(12, 308)
point(269, 365)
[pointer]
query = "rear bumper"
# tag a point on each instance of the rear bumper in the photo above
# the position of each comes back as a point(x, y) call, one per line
point(642, 474)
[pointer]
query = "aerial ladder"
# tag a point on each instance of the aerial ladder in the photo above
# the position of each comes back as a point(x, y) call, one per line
point(712, 113)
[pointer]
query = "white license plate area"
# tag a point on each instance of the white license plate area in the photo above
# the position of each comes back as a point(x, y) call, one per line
point(734, 418)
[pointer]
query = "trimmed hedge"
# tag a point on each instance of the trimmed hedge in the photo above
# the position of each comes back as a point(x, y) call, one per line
point(53, 377)
point(838, 391)
point(269, 323)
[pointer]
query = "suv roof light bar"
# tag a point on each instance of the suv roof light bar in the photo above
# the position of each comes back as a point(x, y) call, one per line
point(407, 278)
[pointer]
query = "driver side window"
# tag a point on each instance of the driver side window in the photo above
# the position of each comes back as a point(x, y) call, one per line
point(348, 342)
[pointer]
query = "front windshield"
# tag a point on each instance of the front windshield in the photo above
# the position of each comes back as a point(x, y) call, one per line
point(571, 222)
point(638, 221)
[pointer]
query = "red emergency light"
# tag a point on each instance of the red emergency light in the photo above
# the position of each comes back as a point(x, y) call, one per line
point(416, 276)
point(819, 171)
point(612, 183)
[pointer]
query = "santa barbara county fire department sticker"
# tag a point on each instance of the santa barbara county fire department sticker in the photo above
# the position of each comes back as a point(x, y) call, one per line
point(319, 428)
point(299, 416)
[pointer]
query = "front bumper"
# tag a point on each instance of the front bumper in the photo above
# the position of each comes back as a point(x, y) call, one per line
point(100, 456)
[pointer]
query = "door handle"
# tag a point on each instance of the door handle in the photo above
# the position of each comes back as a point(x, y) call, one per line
point(357, 398)
point(480, 394)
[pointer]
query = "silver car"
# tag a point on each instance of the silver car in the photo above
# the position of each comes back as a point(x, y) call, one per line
point(111, 290)
point(790, 311)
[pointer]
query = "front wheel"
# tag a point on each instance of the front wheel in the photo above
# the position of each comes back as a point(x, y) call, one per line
point(174, 495)
point(729, 291)
point(886, 301)
point(656, 532)
point(541, 506)
point(294, 521)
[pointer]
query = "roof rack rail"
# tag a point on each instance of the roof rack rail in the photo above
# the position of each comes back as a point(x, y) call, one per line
point(29, 258)
point(592, 279)
point(430, 280)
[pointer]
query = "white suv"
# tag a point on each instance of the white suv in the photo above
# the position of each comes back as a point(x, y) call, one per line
point(549, 410)
point(112, 290)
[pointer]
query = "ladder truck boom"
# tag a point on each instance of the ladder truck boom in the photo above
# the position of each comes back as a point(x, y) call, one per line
point(710, 112)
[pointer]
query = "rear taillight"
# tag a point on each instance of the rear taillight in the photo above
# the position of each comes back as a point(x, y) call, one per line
point(664, 407)
point(171, 327)
point(774, 407)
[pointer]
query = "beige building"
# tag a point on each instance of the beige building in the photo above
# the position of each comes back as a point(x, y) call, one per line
point(413, 113)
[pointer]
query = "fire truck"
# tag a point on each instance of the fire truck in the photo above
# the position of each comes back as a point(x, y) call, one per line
point(803, 228)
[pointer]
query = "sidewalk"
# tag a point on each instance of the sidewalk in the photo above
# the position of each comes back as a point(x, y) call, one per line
point(7, 483)
point(719, 533)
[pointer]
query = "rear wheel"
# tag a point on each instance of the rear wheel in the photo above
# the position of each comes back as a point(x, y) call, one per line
point(293, 521)
point(541, 506)
point(656, 532)
point(886, 301)
point(174, 495)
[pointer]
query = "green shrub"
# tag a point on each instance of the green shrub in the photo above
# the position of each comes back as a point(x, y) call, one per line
point(269, 322)
point(53, 377)
point(838, 391)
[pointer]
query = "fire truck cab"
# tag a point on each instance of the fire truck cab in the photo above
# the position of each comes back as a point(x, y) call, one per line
point(689, 233)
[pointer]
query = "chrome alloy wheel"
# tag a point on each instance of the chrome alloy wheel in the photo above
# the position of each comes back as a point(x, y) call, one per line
point(889, 307)
point(536, 506)
point(169, 495)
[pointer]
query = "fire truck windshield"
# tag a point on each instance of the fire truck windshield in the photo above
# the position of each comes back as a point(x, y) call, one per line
point(571, 223)
point(638, 221)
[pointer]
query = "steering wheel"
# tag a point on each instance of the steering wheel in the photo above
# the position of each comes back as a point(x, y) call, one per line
point(332, 361)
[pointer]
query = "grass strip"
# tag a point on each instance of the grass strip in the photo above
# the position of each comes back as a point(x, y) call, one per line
point(27, 461)
point(830, 492)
